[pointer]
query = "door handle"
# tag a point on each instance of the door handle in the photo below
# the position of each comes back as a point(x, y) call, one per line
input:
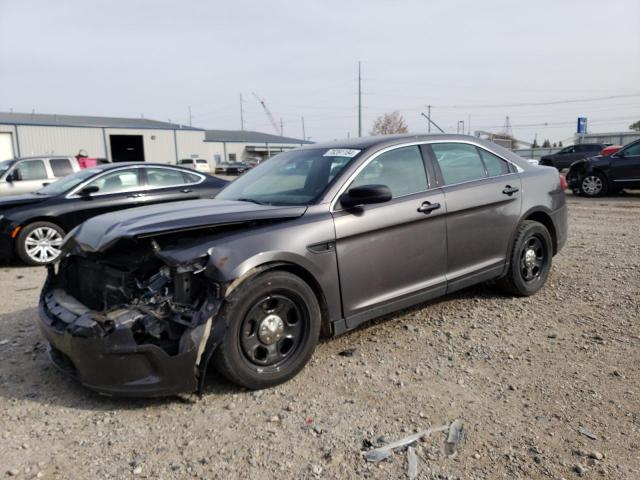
point(135, 195)
point(428, 207)
point(509, 190)
point(186, 190)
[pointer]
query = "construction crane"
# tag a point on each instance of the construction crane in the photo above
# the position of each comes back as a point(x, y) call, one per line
point(269, 114)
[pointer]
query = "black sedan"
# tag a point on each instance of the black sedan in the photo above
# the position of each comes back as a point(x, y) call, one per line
point(596, 176)
point(34, 225)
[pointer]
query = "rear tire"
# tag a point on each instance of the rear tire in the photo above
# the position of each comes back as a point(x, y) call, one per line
point(530, 260)
point(272, 328)
point(39, 243)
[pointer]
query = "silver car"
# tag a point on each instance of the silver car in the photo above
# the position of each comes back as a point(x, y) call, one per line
point(28, 174)
point(310, 243)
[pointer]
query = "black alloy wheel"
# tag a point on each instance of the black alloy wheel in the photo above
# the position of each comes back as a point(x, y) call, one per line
point(530, 260)
point(272, 328)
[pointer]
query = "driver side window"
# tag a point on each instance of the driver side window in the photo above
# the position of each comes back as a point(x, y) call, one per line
point(30, 170)
point(402, 170)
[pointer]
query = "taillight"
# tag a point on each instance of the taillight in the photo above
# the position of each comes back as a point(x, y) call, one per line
point(563, 183)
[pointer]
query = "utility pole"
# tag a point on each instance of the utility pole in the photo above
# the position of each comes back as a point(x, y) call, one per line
point(429, 118)
point(469, 125)
point(431, 121)
point(190, 116)
point(304, 134)
point(241, 114)
point(359, 101)
point(281, 128)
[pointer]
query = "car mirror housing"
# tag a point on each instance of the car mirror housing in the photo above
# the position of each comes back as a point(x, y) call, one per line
point(14, 176)
point(88, 191)
point(365, 195)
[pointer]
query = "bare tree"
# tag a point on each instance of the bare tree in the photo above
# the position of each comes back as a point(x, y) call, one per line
point(388, 123)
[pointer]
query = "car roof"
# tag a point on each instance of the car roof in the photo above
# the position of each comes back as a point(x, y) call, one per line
point(363, 143)
point(42, 157)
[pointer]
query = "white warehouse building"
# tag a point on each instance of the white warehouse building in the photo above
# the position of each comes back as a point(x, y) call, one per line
point(247, 146)
point(114, 139)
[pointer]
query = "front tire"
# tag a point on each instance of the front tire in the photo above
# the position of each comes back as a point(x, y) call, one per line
point(530, 261)
point(272, 328)
point(593, 185)
point(40, 243)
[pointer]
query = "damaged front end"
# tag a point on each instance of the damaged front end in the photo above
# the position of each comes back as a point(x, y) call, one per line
point(124, 322)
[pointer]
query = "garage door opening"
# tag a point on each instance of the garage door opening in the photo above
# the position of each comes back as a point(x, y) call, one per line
point(6, 146)
point(126, 148)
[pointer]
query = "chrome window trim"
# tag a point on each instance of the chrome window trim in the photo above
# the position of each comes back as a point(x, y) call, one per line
point(73, 193)
point(344, 186)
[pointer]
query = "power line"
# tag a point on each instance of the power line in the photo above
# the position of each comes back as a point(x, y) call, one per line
point(535, 104)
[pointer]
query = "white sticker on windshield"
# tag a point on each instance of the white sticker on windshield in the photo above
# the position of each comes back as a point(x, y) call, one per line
point(341, 152)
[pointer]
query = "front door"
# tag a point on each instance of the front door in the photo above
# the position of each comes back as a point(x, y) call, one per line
point(26, 176)
point(117, 190)
point(625, 167)
point(393, 254)
point(482, 192)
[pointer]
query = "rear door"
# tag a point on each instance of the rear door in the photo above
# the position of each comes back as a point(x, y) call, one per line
point(165, 184)
point(117, 190)
point(625, 167)
point(391, 254)
point(483, 196)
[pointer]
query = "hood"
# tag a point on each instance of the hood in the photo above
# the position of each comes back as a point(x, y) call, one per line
point(12, 201)
point(99, 233)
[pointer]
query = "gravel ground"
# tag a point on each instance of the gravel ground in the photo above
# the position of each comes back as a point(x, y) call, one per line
point(524, 375)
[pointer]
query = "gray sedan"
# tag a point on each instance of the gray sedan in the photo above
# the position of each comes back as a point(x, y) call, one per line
point(310, 243)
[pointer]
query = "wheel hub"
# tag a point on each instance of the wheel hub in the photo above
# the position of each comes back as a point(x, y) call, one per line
point(530, 258)
point(271, 329)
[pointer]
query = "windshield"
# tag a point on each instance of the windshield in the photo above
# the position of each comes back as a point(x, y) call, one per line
point(68, 182)
point(5, 165)
point(297, 177)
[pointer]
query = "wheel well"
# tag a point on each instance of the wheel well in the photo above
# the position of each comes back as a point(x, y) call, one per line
point(325, 330)
point(45, 219)
point(545, 219)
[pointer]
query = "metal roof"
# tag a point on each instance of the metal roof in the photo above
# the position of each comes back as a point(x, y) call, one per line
point(46, 119)
point(246, 136)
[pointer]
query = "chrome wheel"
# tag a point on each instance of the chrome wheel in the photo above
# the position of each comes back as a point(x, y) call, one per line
point(532, 259)
point(43, 244)
point(592, 185)
point(272, 331)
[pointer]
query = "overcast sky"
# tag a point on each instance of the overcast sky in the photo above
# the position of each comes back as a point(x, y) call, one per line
point(466, 58)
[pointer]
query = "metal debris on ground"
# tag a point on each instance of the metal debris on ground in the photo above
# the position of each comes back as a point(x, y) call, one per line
point(587, 433)
point(412, 463)
point(454, 439)
point(385, 451)
point(348, 352)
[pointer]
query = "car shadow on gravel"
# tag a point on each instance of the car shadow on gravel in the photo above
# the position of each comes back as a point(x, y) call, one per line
point(481, 291)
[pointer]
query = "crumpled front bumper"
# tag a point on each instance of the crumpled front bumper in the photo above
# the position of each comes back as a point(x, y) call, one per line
point(112, 363)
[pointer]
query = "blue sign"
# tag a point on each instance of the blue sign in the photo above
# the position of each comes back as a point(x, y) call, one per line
point(582, 125)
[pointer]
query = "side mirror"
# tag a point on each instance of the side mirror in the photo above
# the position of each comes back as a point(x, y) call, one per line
point(365, 195)
point(14, 176)
point(620, 154)
point(88, 191)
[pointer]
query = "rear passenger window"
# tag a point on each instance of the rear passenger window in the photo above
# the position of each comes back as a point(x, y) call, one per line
point(61, 167)
point(164, 177)
point(459, 162)
point(402, 170)
point(494, 164)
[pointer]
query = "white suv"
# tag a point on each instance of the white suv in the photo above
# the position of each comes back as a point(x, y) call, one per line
point(26, 175)
point(198, 164)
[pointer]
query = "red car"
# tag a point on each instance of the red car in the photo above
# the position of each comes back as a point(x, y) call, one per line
point(611, 149)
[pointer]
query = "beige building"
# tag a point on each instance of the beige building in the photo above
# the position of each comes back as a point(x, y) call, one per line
point(115, 139)
point(246, 146)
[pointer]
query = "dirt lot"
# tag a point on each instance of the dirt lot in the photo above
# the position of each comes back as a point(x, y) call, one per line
point(522, 374)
